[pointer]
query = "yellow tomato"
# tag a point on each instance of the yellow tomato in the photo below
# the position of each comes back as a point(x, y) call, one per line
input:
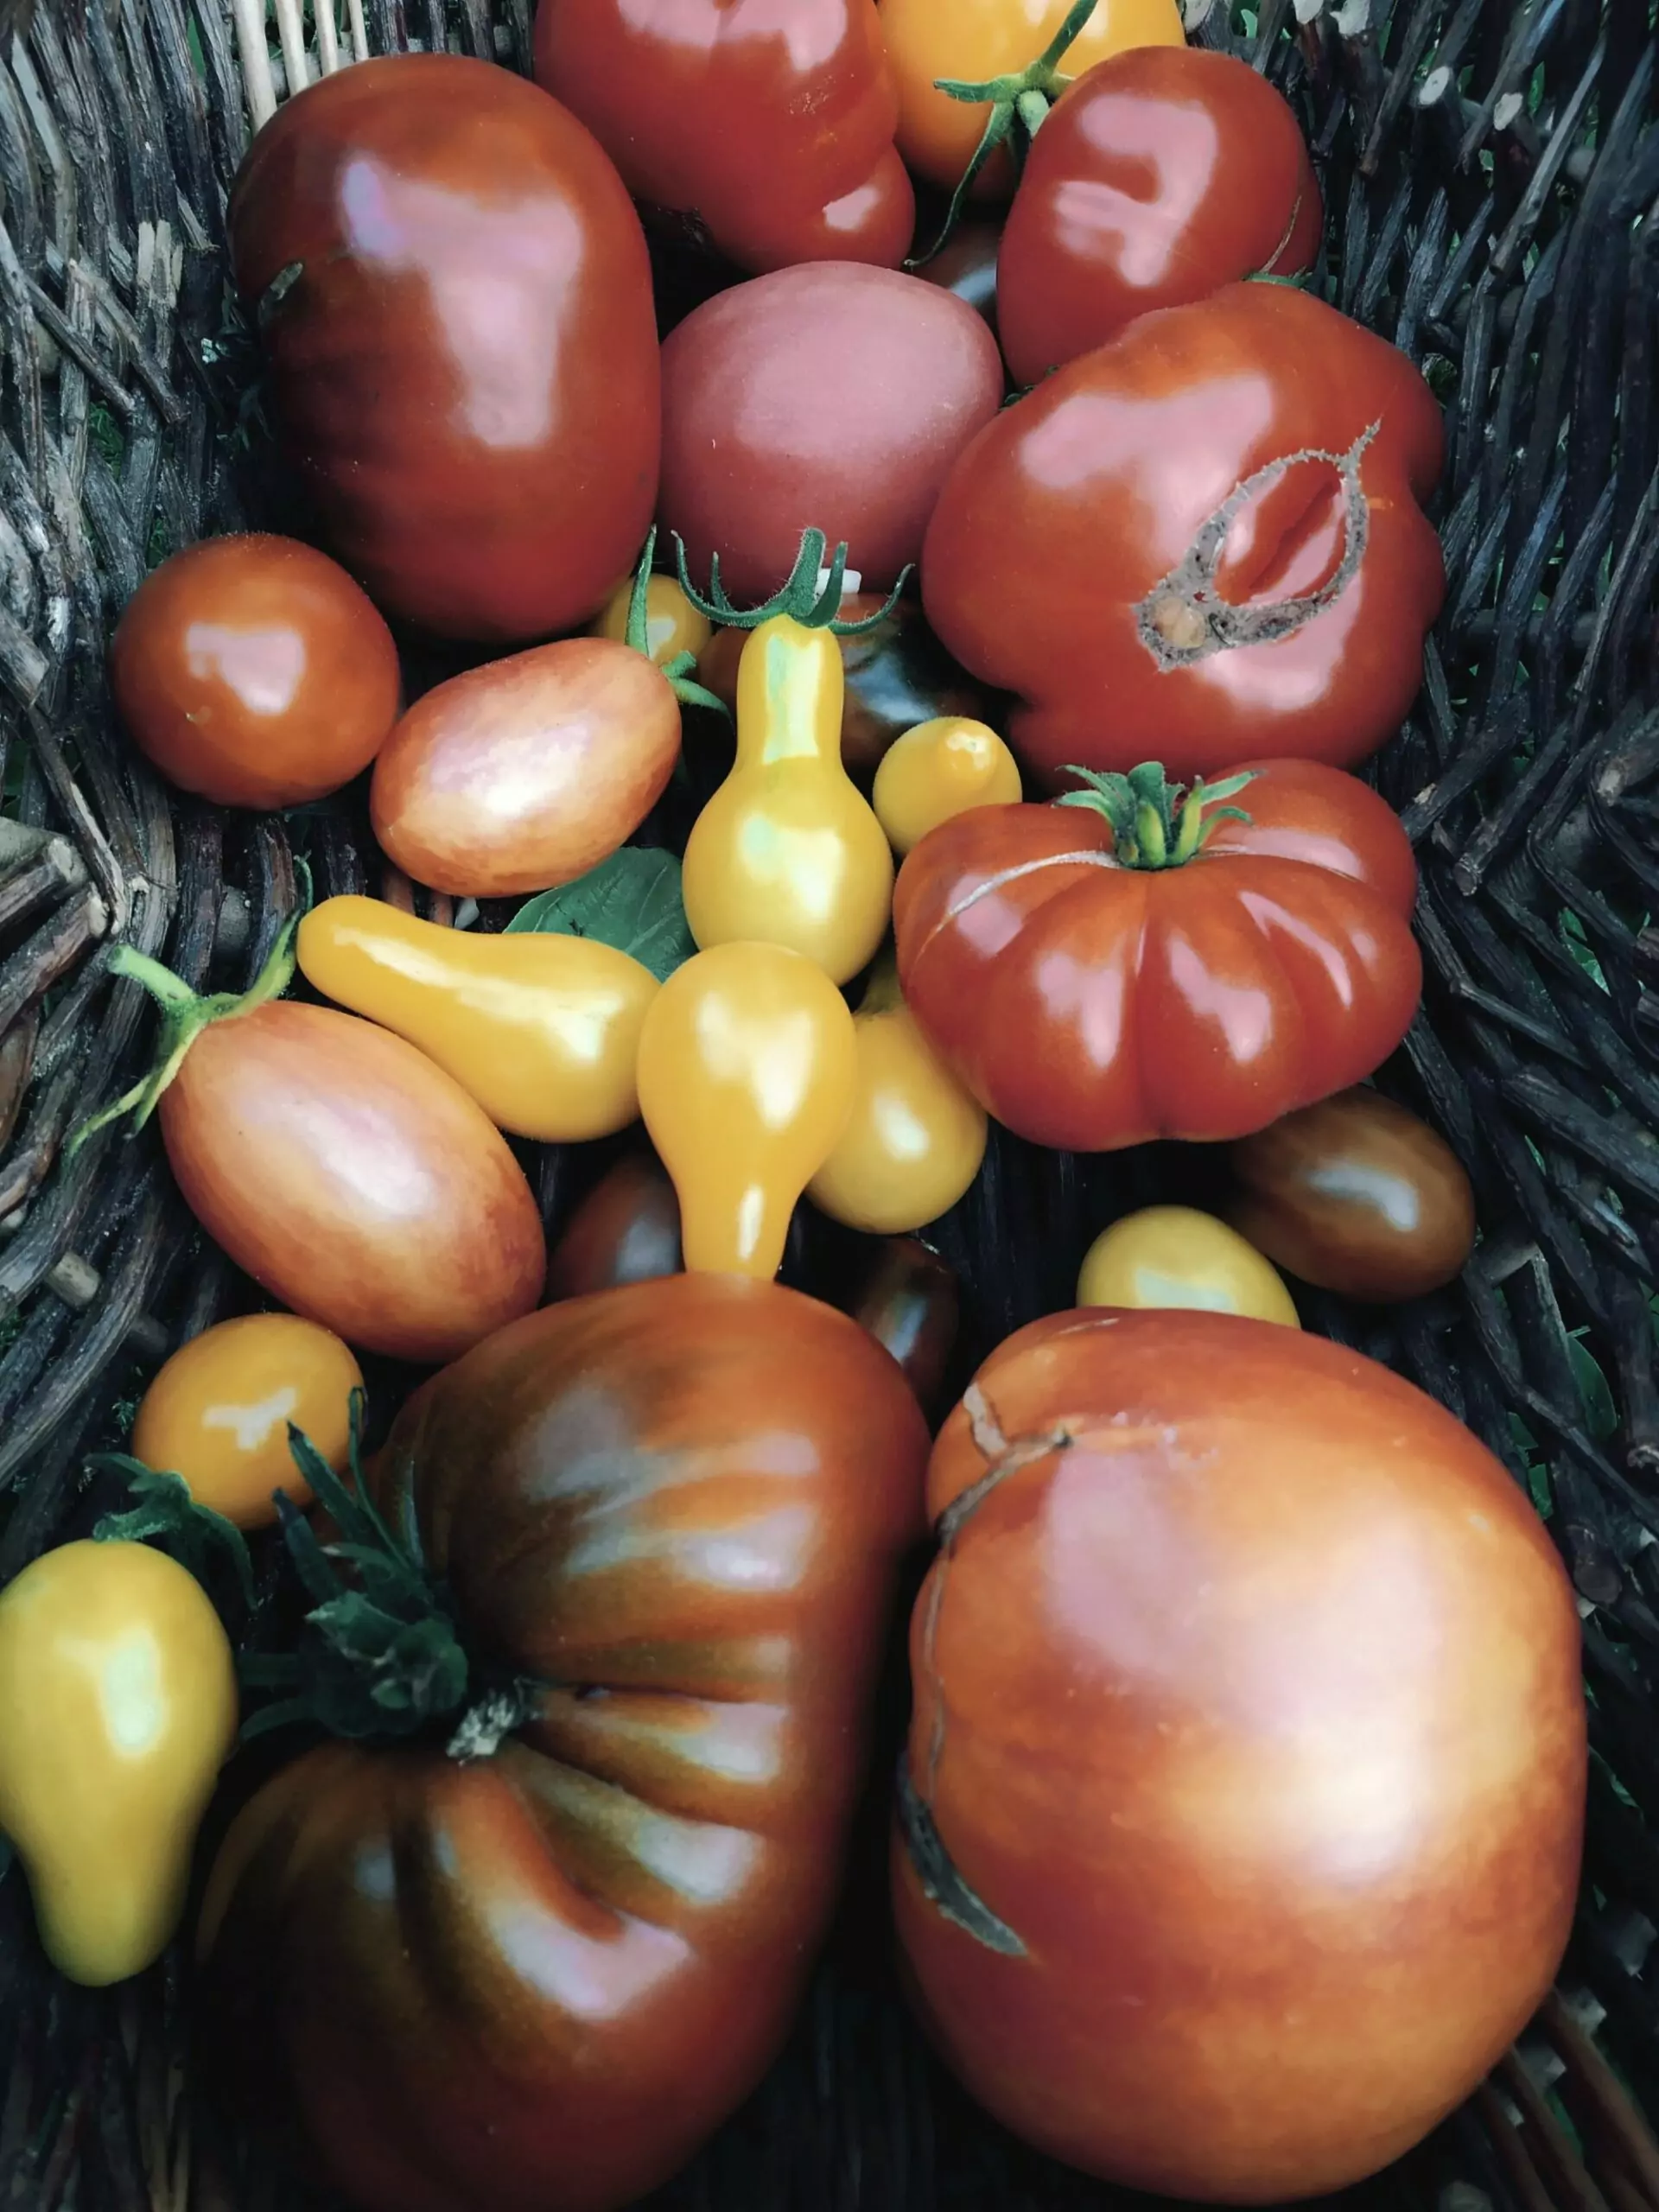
point(970, 41)
point(218, 1411)
point(915, 1139)
point(117, 1709)
point(1175, 1255)
point(673, 626)
point(542, 1031)
point(788, 851)
point(747, 1067)
point(939, 769)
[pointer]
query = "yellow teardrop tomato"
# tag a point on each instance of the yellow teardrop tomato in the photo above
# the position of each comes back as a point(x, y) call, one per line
point(673, 626)
point(915, 1139)
point(971, 41)
point(218, 1411)
point(542, 1031)
point(939, 769)
point(787, 851)
point(117, 1709)
point(1175, 1255)
point(748, 1068)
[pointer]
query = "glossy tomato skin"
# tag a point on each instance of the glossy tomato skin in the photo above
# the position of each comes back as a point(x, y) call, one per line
point(465, 368)
point(833, 398)
point(1165, 1256)
point(702, 108)
point(1067, 560)
point(1249, 1733)
point(536, 1980)
point(251, 670)
point(356, 1181)
point(1088, 1006)
point(626, 1230)
point(1159, 176)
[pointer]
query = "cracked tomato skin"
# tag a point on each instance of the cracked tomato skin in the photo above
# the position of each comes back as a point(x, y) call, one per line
point(1089, 1006)
point(1110, 549)
point(1159, 176)
point(465, 370)
point(1241, 1823)
point(770, 122)
point(537, 1980)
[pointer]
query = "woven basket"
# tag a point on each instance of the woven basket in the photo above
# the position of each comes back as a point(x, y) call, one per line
point(1492, 181)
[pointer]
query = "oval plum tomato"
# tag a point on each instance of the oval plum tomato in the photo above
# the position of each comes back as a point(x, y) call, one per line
point(1123, 966)
point(534, 1975)
point(831, 397)
point(626, 1230)
point(1175, 1255)
point(704, 109)
point(1159, 176)
point(1247, 1681)
point(1202, 543)
point(453, 294)
point(253, 671)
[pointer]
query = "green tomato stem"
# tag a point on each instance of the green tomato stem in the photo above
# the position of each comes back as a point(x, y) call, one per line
point(1157, 825)
point(800, 598)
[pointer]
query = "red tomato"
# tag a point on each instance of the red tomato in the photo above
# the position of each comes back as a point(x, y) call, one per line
point(454, 298)
point(1159, 176)
point(772, 129)
point(536, 1978)
point(626, 1230)
point(1200, 544)
point(1241, 1824)
point(1090, 1003)
point(254, 672)
point(830, 398)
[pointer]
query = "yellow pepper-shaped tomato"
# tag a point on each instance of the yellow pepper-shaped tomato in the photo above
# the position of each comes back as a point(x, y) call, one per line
point(939, 769)
point(673, 626)
point(117, 1709)
point(747, 1069)
point(787, 851)
point(542, 1031)
point(915, 1138)
point(1175, 1255)
point(217, 1413)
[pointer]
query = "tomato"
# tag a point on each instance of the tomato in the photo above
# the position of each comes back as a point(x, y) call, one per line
point(1202, 543)
point(118, 1707)
point(1161, 176)
point(970, 41)
point(915, 1140)
point(1357, 1196)
point(453, 296)
point(219, 1410)
point(937, 771)
point(542, 1031)
point(966, 264)
point(527, 773)
point(748, 1073)
point(254, 672)
point(1091, 994)
point(1175, 1255)
point(910, 1302)
point(626, 1230)
point(773, 132)
point(1248, 1725)
point(831, 397)
point(536, 1978)
point(673, 626)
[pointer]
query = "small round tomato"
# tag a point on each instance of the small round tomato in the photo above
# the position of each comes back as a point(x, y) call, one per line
point(253, 671)
point(937, 771)
point(1175, 1255)
point(911, 1303)
point(1357, 1196)
point(218, 1413)
point(626, 1230)
point(673, 626)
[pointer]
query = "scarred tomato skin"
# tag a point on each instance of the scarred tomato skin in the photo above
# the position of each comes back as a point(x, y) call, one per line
point(1156, 549)
point(1249, 1743)
point(453, 294)
point(1159, 176)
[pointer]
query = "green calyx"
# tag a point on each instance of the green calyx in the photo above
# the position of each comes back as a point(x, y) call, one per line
point(800, 598)
point(677, 671)
point(1156, 823)
point(1019, 103)
point(163, 1511)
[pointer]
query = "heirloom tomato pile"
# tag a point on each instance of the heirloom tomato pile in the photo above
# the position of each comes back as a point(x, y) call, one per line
point(851, 580)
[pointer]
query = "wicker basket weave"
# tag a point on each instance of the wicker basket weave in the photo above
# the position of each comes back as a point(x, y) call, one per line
point(1492, 183)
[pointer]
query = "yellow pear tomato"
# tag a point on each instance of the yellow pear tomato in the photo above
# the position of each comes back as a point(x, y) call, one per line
point(939, 769)
point(1175, 1255)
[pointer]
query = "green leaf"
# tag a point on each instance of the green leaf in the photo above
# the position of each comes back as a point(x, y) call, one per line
point(1601, 1414)
point(631, 901)
point(163, 1509)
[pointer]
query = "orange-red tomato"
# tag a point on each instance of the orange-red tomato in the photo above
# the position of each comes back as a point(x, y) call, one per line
point(253, 671)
